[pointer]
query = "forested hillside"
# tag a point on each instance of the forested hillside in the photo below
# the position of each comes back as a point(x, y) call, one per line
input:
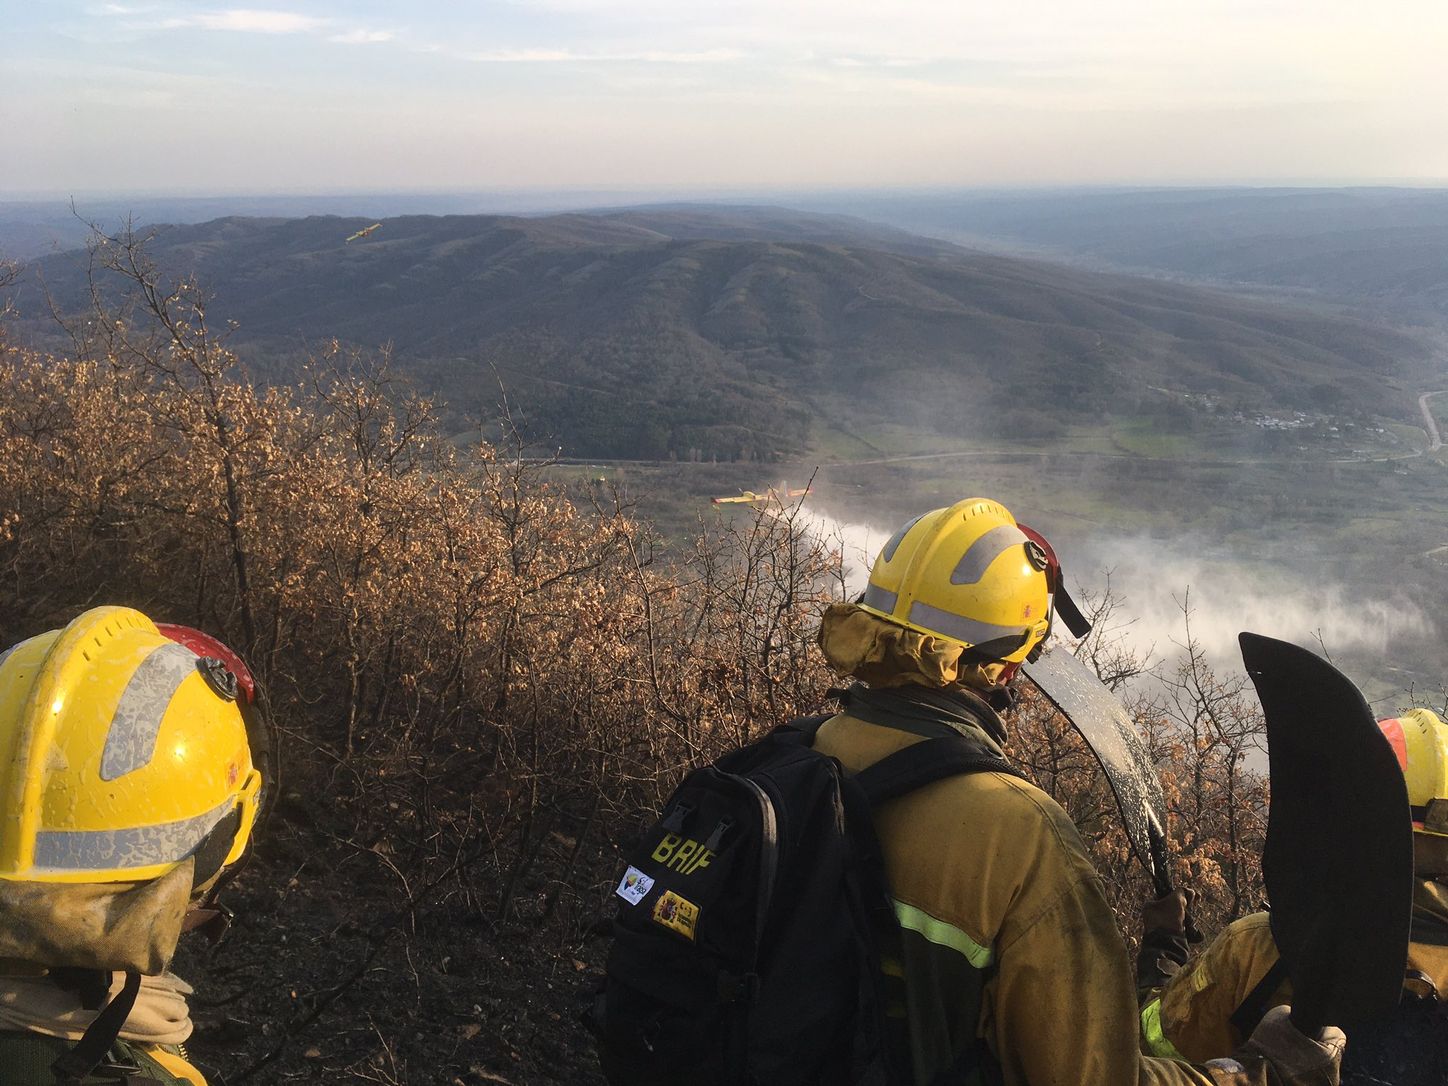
point(693, 334)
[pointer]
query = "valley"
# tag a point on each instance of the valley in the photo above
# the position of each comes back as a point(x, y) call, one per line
point(1183, 437)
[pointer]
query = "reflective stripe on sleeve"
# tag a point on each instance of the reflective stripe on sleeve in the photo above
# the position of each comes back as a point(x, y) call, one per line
point(942, 934)
point(1153, 1039)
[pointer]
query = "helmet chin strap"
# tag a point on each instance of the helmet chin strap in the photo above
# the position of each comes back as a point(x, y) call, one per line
point(77, 1064)
point(990, 652)
point(1062, 604)
point(208, 915)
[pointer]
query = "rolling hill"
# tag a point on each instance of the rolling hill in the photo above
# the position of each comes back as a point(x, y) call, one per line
point(726, 332)
point(1383, 249)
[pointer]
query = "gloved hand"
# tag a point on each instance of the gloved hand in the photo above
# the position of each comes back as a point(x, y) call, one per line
point(1294, 1059)
point(1168, 914)
point(1164, 939)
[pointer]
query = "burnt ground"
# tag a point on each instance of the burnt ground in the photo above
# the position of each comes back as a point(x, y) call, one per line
point(323, 979)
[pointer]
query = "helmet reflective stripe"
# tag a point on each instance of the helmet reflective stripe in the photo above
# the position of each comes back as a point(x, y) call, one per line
point(961, 628)
point(880, 598)
point(893, 544)
point(137, 847)
point(131, 741)
point(984, 551)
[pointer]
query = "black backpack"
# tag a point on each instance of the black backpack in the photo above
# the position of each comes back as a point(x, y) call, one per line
point(753, 919)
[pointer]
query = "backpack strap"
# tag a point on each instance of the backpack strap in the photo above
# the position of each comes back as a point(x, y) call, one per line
point(891, 777)
point(77, 1064)
point(1252, 1009)
point(1429, 929)
point(803, 729)
point(925, 763)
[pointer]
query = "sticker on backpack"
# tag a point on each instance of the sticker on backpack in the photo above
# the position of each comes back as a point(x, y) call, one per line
point(634, 886)
point(676, 914)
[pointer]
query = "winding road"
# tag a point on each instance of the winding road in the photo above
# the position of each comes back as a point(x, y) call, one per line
point(1435, 439)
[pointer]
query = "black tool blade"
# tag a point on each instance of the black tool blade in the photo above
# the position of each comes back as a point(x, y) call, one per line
point(1339, 856)
point(1100, 718)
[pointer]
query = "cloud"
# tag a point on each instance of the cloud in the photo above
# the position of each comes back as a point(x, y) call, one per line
point(271, 21)
point(363, 37)
point(855, 61)
point(247, 20)
point(242, 20)
point(568, 56)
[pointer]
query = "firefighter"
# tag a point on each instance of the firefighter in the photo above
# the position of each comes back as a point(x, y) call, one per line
point(1206, 1008)
point(1011, 969)
point(129, 789)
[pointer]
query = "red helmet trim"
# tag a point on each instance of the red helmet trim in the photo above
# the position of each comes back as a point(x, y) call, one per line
point(1392, 730)
point(203, 644)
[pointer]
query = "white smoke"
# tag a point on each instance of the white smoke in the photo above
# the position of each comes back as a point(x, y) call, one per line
point(1154, 579)
point(855, 542)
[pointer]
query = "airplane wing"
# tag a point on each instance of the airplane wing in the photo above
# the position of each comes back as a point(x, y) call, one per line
point(746, 497)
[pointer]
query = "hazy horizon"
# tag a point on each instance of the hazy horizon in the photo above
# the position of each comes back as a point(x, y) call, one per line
point(317, 96)
point(586, 195)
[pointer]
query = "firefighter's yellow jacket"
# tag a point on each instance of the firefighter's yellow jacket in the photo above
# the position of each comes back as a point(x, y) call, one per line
point(1192, 1016)
point(1008, 941)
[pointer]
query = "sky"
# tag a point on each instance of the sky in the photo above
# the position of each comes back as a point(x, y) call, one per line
point(680, 95)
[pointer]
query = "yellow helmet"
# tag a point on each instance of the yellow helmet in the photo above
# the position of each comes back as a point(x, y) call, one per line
point(968, 574)
point(122, 753)
point(1420, 740)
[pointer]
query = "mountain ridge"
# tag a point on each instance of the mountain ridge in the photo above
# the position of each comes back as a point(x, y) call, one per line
point(711, 334)
point(1371, 247)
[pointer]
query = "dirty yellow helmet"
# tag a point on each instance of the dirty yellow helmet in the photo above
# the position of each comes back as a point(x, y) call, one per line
point(968, 574)
point(1420, 740)
point(122, 753)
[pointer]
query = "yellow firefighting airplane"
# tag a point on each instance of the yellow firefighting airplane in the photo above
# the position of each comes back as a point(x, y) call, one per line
point(364, 231)
point(772, 498)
